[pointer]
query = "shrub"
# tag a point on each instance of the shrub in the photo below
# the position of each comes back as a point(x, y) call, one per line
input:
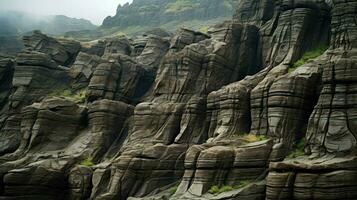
point(88, 162)
point(298, 149)
point(308, 56)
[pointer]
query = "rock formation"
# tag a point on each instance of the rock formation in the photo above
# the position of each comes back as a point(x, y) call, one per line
point(156, 12)
point(249, 110)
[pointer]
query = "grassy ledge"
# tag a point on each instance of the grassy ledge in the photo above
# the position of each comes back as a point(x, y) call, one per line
point(88, 162)
point(308, 56)
point(250, 138)
point(173, 189)
point(298, 149)
point(226, 188)
point(78, 97)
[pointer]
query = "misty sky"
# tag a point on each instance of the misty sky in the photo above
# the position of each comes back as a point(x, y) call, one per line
point(94, 10)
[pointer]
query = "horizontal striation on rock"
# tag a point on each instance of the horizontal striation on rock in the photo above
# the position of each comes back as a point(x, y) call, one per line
point(247, 110)
point(61, 51)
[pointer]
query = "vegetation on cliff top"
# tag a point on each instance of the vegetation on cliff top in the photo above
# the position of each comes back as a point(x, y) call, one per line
point(143, 15)
point(308, 56)
point(226, 188)
point(78, 96)
point(182, 5)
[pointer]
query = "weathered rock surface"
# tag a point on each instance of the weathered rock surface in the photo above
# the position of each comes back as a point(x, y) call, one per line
point(331, 127)
point(83, 68)
point(35, 76)
point(116, 80)
point(178, 117)
point(329, 172)
point(62, 51)
point(57, 135)
point(6, 73)
point(328, 177)
point(93, 47)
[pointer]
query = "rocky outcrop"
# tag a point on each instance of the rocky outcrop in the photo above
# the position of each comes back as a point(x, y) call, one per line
point(151, 53)
point(117, 46)
point(35, 76)
point(331, 124)
point(6, 74)
point(55, 152)
point(32, 71)
point(7, 66)
point(328, 172)
point(62, 51)
point(116, 81)
point(93, 47)
point(228, 114)
point(344, 25)
point(82, 69)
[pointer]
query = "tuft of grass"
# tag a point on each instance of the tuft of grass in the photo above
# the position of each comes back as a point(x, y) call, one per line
point(214, 190)
point(173, 189)
point(181, 6)
point(242, 184)
point(298, 149)
point(226, 188)
point(88, 162)
point(204, 29)
point(78, 96)
point(252, 137)
point(308, 56)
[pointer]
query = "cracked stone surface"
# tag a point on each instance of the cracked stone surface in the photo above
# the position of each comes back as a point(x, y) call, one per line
point(169, 116)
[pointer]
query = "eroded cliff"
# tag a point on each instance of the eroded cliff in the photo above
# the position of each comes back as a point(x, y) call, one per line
point(248, 110)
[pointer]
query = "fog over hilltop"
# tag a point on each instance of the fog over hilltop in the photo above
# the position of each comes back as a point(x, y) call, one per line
point(93, 10)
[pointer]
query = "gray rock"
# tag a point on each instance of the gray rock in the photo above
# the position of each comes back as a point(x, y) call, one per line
point(61, 51)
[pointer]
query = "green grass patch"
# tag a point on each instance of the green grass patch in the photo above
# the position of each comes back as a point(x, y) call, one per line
point(88, 162)
point(226, 188)
point(181, 6)
point(173, 189)
point(298, 149)
point(78, 97)
point(214, 189)
point(308, 56)
point(204, 29)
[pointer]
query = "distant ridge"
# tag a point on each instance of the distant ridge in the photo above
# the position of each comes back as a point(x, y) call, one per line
point(159, 12)
point(15, 24)
point(143, 15)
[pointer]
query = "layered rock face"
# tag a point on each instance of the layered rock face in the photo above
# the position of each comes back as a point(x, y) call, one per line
point(328, 172)
point(228, 114)
point(6, 74)
point(61, 51)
